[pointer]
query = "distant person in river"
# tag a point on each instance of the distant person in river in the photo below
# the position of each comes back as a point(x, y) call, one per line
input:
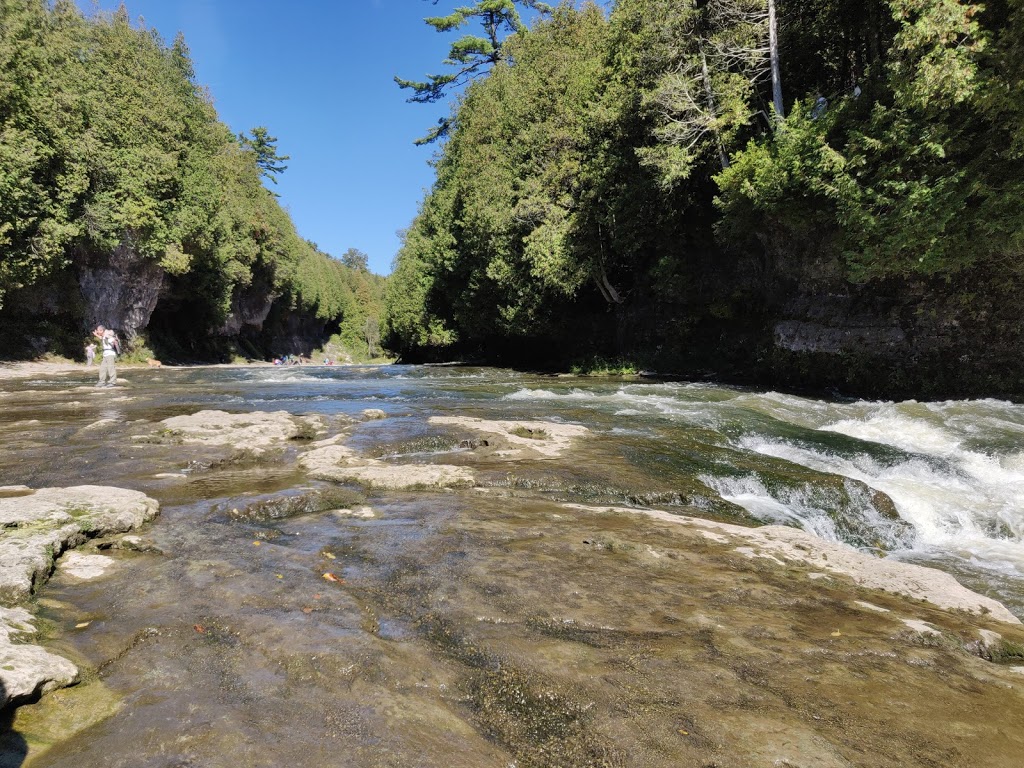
point(111, 346)
point(90, 353)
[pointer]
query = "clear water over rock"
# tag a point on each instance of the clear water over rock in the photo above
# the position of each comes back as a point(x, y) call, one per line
point(552, 608)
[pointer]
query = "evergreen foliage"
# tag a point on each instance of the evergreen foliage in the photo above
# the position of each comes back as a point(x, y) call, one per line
point(107, 144)
point(609, 156)
point(470, 55)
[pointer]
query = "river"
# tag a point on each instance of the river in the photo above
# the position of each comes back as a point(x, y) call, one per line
point(230, 644)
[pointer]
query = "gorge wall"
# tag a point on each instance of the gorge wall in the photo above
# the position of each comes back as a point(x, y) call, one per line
point(151, 309)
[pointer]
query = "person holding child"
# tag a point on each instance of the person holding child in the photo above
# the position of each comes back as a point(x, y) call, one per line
point(111, 346)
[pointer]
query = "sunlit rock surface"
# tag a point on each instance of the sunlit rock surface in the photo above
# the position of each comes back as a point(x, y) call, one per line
point(252, 431)
point(783, 545)
point(27, 670)
point(518, 439)
point(341, 464)
point(35, 527)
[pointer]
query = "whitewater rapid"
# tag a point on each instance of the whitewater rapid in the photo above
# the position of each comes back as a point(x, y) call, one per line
point(954, 470)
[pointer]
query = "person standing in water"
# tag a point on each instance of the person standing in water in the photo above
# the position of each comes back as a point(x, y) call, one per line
point(108, 370)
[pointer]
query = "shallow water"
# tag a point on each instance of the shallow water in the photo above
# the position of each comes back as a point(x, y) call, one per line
point(458, 613)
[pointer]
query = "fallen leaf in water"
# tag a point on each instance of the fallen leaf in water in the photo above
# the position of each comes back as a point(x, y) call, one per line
point(328, 554)
point(685, 733)
point(837, 634)
point(317, 596)
point(82, 625)
point(280, 576)
point(199, 628)
point(331, 577)
point(256, 543)
point(307, 609)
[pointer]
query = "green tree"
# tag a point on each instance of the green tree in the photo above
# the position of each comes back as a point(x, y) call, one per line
point(711, 57)
point(116, 173)
point(914, 177)
point(471, 55)
point(353, 258)
point(492, 252)
point(264, 147)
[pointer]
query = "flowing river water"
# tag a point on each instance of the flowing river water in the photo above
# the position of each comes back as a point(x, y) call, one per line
point(486, 626)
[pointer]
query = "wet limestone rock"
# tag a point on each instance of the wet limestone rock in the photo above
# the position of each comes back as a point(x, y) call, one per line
point(27, 670)
point(254, 431)
point(783, 545)
point(341, 464)
point(85, 567)
point(293, 504)
point(397, 477)
point(519, 439)
point(37, 526)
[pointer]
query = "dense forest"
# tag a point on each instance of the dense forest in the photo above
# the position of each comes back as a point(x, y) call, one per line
point(824, 193)
point(125, 201)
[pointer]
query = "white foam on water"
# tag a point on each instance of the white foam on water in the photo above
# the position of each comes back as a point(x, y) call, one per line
point(959, 501)
point(532, 394)
point(794, 509)
point(297, 378)
point(630, 400)
point(960, 485)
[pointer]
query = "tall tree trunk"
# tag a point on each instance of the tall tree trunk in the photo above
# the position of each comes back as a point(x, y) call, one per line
point(773, 44)
point(722, 157)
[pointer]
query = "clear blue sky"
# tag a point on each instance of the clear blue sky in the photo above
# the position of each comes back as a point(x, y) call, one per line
point(319, 74)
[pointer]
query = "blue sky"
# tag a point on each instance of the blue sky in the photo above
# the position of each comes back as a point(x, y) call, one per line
point(319, 74)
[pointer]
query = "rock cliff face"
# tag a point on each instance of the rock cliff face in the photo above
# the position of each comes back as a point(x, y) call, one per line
point(788, 319)
point(287, 331)
point(134, 296)
point(121, 291)
point(249, 310)
point(916, 337)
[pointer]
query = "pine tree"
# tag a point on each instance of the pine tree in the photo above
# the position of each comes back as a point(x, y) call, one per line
point(470, 55)
point(265, 148)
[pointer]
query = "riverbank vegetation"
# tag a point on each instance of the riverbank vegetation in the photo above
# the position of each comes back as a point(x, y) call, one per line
point(125, 201)
point(794, 191)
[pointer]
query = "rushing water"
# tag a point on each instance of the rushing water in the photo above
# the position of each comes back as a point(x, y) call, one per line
point(954, 470)
point(934, 483)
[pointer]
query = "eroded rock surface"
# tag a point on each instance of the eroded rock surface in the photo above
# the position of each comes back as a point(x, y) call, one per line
point(341, 464)
point(519, 439)
point(255, 431)
point(782, 544)
point(38, 526)
point(27, 670)
point(35, 528)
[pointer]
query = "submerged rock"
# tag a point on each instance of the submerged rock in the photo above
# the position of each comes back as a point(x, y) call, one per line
point(783, 545)
point(306, 503)
point(85, 567)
